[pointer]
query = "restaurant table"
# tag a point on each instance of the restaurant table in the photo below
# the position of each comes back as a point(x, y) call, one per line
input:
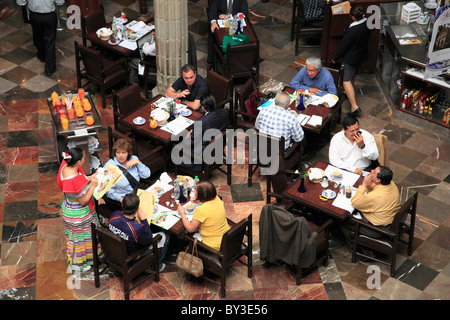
point(177, 229)
point(158, 135)
point(78, 130)
point(122, 51)
point(219, 33)
point(318, 110)
point(310, 198)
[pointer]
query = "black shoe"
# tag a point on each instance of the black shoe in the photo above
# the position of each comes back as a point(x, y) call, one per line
point(355, 113)
point(49, 74)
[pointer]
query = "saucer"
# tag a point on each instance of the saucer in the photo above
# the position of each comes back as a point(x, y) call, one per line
point(336, 178)
point(139, 121)
point(113, 43)
point(186, 112)
point(330, 194)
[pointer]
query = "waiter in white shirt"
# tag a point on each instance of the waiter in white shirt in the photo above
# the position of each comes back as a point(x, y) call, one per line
point(353, 149)
point(44, 21)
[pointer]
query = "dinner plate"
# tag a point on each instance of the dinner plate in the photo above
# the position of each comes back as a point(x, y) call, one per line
point(139, 121)
point(186, 113)
point(330, 194)
point(113, 43)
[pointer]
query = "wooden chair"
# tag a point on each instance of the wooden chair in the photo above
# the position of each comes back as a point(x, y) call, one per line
point(243, 118)
point(270, 238)
point(284, 159)
point(388, 243)
point(150, 79)
point(220, 87)
point(125, 102)
point(99, 70)
point(383, 149)
point(91, 23)
point(338, 76)
point(207, 168)
point(300, 25)
point(241, 61)
point(232, 249)
point(114, 256)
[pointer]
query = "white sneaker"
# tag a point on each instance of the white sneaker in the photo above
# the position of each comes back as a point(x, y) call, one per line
point(162, 267)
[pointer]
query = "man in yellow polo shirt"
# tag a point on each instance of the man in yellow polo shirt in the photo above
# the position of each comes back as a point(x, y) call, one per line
point(378, 200)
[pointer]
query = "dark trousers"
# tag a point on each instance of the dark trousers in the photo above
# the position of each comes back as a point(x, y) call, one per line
point(44, 38)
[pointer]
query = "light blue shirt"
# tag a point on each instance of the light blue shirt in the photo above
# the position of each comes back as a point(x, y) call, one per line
point(323, 81)
point(123, 187)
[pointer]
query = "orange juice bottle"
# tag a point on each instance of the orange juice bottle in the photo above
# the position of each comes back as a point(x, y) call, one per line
point(65, 123)
point(81, 93)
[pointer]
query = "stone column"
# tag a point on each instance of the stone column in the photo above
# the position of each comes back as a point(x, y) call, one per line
point(171, 24)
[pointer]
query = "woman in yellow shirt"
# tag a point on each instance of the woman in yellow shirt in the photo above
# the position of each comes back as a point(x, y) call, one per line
point(210, 218)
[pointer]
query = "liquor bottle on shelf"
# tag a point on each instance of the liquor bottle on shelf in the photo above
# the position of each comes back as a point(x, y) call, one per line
point(404, 101)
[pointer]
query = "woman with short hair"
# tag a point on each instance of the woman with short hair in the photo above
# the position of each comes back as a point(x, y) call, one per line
point(210, 218)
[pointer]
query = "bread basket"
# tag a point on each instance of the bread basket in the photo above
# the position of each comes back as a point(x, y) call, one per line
point(104, 33)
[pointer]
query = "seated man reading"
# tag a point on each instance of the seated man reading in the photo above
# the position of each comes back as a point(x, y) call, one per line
point(188, 88)
point(279, 122)
point(317, 80)
point(137, 234)
point(353, 149)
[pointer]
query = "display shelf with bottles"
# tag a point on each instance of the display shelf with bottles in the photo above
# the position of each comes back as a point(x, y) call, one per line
point(400, 69)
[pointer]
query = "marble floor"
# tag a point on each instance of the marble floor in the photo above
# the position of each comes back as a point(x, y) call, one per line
point(32, 249)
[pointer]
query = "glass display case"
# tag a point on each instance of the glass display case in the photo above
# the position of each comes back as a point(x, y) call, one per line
point(401, 61)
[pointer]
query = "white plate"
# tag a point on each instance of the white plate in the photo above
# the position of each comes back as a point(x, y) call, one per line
point(330, 194)
point(162, 191)
point(186, 113)
point(113, 43)
point(430, 5)
point(139, 121)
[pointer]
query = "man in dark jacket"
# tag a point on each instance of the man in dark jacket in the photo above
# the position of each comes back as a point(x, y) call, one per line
point(137, 234)
point(208, 126)
point(219, 10)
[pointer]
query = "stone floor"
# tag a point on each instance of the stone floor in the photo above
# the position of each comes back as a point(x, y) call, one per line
point(32, 249)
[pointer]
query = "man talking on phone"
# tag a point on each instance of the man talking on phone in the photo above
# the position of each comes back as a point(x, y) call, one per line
point(353, 149)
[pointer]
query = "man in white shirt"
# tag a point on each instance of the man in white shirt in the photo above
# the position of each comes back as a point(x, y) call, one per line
point(353, 149)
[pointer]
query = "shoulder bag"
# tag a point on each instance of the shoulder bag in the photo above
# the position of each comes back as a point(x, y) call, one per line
point(189, 262)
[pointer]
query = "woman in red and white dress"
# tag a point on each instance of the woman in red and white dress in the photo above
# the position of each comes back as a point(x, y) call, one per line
point(78, 209)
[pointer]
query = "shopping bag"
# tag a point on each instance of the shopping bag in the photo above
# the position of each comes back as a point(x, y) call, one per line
point(189, 262)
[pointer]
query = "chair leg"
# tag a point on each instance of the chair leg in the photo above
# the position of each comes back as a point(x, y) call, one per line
point(298, 277)
point(223, 284)
point(393, 263)
point(249, 178)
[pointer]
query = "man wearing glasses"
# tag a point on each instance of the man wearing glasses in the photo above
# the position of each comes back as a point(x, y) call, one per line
point(317, 80)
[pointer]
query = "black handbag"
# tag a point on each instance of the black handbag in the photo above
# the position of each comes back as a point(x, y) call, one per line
point(133, 182)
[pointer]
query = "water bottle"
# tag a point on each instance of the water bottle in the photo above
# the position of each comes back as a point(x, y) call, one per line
point(196, 181)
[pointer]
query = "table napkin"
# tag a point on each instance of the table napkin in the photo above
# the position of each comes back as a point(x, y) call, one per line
point(315, 120)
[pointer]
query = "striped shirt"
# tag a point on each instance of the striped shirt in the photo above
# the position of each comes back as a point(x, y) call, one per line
point(279, 122)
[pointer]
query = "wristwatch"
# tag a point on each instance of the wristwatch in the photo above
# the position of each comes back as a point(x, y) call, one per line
point(362, 147)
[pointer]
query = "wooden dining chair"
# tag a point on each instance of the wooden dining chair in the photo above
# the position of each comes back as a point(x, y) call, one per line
point(125, 102)
point(241, 61)
point(91, 23)
point(301, 27)
point(99, 70)
point(242, 117)
point(115, 258)
point(236, 244)
point(389, 240)
point(221, 88)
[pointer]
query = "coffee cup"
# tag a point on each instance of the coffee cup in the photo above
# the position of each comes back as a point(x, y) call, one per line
point(190, 208)
point(157, 189)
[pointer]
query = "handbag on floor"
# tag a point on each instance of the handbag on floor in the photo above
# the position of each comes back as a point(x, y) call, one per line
point(189, 262)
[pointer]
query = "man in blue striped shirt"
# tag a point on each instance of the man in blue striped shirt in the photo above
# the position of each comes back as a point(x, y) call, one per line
point(278, 121)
